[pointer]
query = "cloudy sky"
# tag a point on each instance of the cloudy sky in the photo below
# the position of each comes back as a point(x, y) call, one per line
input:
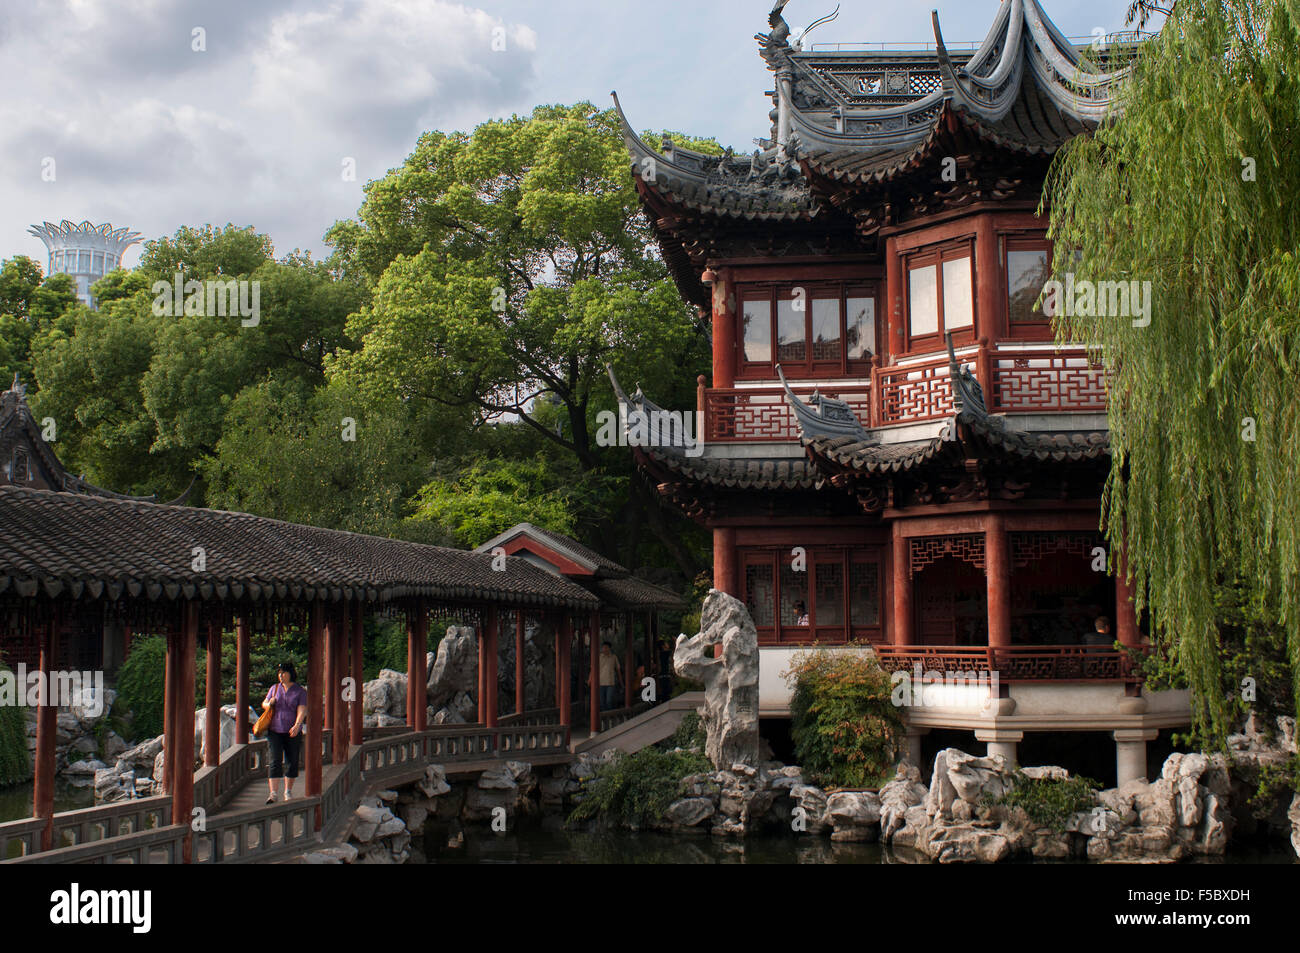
point(162, 113)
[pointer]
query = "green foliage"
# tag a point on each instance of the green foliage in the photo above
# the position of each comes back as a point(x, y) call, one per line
point(386, 648)
point(636, 789)
point(15, 765)
point(690, 622)
point(140, 685)
point(1197, 191)
point(1049, 802)
point(489, 497)
point(689, 735)
point(844, 724)
point(282, 454)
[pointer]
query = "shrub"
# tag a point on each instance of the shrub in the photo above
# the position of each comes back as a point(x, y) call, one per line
point(636, 789)
point(689, 734)
point(140, 685)
point(15, 766)
point(844, 725)
point(1049, 802)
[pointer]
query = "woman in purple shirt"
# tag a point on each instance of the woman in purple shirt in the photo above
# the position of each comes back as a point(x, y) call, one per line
point(289, 701)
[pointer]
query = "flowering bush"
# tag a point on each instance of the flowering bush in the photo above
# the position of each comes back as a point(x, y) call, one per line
point(844, 725)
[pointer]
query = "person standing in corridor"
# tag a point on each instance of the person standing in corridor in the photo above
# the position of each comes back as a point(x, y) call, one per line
point(610, 676)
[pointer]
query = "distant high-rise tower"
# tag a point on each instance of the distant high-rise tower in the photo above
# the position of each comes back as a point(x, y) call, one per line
point(86, 252)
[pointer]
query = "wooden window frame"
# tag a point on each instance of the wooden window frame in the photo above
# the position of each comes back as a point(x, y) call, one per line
point(1040, 330)
point(783, 633)
point(809, 368)
point(934, 257)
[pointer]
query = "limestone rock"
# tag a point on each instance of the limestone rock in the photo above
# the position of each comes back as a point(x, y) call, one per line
point(730, 712)
point(855, 815)
point(689, 812)
point(434, 783)
point(454, 672)
point(386, 694)
point(1294, 815)
point(898, 797)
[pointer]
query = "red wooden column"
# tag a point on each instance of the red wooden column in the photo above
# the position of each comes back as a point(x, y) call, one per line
point(628, 659)
point(422, 666)
point(556, 623)
point(565, 684)
point(171, 678)
point(725, 575)
point(901, 629)
point(339, 723)
point(183, 777)
point(316, 691)
point(594, 675)
point(241, 680)
point(1126, 621)
point(331, 679)
point(519, 662)
point(989, 298)
point(482, 669)
point(47, 715)
point(358, 657)
point(997, 568)
point(412, 666)
point(491, 683)
point(895, 319)
point(212, 699)
point(724, 330)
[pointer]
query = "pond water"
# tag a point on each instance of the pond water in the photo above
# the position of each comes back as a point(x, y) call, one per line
point(16, 800)
point(547, 842)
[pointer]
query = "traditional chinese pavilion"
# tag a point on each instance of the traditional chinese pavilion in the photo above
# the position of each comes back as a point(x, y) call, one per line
point(896, 450)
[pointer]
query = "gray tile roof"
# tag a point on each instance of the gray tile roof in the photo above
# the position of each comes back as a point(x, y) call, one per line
point(70, 543)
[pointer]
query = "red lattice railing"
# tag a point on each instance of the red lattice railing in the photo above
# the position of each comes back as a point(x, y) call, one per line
point(911, 392)
point(1034, 380)
point(1014, 663)
point(1023, 381)
point(761, 413)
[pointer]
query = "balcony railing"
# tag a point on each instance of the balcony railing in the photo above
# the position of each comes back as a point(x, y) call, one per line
point(1018, 380)
point(1013, 663)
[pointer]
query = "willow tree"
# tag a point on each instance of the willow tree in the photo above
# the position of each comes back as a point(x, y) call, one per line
point(1196, 189)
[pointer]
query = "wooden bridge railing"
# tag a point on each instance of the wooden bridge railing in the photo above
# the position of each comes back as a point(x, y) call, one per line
point(534, 716)
point(280, 827)
point(616, 716)
point(138, 830)
point(20, 838)
point(159, 845)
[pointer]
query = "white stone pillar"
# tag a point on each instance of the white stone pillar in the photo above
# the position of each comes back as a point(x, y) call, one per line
point(1131, 754)
point(1001, 741)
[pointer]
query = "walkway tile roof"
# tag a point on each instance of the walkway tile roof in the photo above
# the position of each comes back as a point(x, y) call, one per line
point(71, 543)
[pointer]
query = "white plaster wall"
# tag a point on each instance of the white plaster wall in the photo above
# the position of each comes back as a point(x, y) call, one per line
point(1067, 699)
point(773, 691)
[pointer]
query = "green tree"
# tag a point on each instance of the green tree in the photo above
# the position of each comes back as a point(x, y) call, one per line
point(1196, 190)
point(487, 498)
point(325, 457)
point(509, 266)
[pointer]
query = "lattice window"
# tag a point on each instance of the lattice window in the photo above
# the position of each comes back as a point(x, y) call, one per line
point(760, 593)
point(1031, 547)
point(864, 593)
point(829, 609)
point(794, 596)
point(968, 547)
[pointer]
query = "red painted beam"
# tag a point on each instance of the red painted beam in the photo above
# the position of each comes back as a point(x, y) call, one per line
point(594, 675)
point(241, 680)
point(311, 745)
point(997, 556)
point(358, 657)
point(519, 662)
point(339, 723)
point(212, 699)
point(183, 777)
point(46, 732)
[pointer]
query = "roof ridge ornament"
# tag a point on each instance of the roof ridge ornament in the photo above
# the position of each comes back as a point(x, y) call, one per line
point(824, 416)
point(967, 394)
